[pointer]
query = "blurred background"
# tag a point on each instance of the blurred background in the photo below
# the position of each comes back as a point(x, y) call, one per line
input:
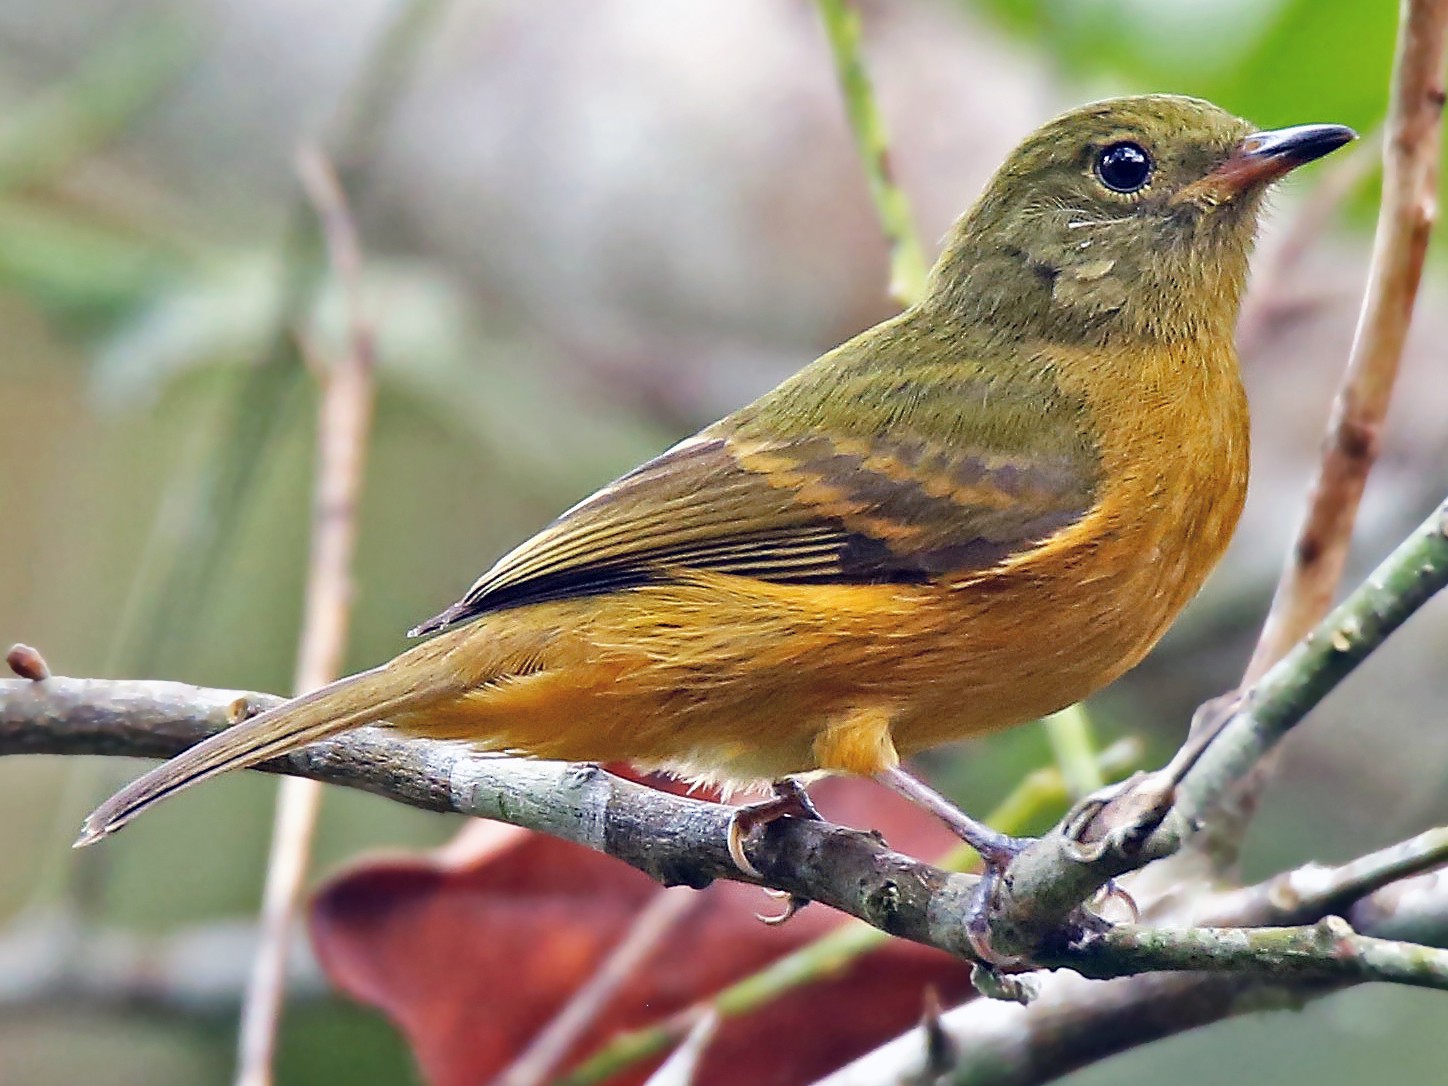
point(590, 226)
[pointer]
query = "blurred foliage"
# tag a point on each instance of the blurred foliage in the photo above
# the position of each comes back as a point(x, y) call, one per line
point(1282, 63)
point(1277, 63)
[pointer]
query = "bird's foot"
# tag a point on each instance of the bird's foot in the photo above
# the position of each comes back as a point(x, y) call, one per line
point(996, 850)
point(788, 801)
point(996, 853)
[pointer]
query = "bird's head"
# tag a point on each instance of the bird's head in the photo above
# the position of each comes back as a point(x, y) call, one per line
point(1128, 217)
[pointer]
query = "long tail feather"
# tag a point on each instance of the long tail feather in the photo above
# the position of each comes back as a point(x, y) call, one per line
point(364, 698)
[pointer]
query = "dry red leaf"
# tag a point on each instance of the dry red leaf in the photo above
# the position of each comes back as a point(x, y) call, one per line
point(471, 950)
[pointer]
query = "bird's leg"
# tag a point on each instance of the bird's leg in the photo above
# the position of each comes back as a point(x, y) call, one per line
point(789, 800)
point(996, 849)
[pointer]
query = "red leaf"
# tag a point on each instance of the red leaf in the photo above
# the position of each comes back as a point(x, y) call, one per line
point(472, 950)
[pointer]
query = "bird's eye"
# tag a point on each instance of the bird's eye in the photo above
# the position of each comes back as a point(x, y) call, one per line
point(1123, 167)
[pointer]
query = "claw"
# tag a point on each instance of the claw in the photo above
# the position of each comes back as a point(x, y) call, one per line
point(1113, 892)
point(792, 905)
point(789, 800)
point(977, 922)
point(736, 834)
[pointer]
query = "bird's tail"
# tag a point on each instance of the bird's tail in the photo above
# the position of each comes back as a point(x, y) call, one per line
point(364, 698)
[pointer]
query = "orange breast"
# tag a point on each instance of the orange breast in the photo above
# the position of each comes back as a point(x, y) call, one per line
point(1059, 622)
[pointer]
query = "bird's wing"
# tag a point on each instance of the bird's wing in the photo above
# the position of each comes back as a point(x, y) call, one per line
point(810, 509)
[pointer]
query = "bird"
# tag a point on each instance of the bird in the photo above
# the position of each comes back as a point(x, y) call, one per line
point(971, 515)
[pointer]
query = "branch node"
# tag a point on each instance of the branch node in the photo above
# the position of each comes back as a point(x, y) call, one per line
point(243, 708)
point(1334, 935)
point(992, 983)
point(27, 663)
point(1119, 818)
point(941, 1054)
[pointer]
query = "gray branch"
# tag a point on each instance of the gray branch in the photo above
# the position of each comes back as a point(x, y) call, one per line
point(681, 840)
point(1074, 1021)
point(674, 839)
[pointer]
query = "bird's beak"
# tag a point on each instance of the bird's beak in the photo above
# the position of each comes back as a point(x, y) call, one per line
point(1263, 157)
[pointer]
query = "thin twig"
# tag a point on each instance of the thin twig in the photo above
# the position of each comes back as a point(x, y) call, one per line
point(682, 1067)
point(1328, 950)
point(673, 839)
point(1076, 1022)
point(1401, 584)
point(1315, 889)
point(343, 419)
point(908, 266)
point(552, 1044)
point(1410, 185)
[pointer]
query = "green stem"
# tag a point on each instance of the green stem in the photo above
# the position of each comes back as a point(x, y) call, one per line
point(1074, 746)
point(1327, 951)
point(908, 266)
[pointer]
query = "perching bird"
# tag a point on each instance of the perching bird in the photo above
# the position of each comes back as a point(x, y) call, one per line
point(969, 516)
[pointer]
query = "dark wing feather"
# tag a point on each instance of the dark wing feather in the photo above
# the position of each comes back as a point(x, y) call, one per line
point(811, 509)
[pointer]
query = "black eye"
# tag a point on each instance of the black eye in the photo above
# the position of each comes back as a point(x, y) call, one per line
point(1123, 167)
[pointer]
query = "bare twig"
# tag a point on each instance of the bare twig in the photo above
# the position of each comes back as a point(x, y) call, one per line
point(343, 419)
point(552, 1044)
point(681, 1068)
point(673, 839)
point(1315, 890)
point(1076, 1021)
point(1410, 173)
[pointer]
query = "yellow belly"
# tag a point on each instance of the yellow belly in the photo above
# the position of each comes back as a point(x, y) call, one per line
point(725, 679)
